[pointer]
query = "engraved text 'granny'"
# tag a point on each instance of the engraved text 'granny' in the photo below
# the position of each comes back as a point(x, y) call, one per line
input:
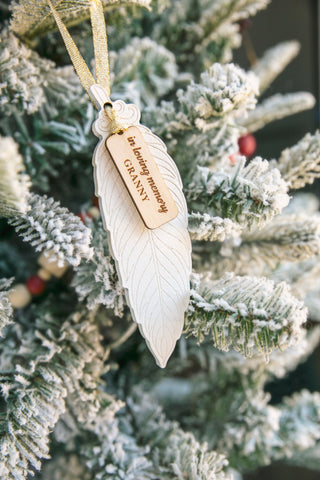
point(142, 177)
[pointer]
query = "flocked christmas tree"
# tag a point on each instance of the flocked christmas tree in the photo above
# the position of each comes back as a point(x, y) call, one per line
point(81, 396)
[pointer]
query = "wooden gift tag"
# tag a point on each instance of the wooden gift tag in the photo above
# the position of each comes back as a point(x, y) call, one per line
point(142, 177)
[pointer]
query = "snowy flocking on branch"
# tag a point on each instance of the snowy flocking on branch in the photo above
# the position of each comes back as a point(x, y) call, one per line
point(51, 228)
point(251, 324)
point(14, 182)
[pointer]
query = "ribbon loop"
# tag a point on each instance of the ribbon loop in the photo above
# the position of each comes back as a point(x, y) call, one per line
point(100, 43)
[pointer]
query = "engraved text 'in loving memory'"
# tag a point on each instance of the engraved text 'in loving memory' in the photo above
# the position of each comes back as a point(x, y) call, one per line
point(144, 171)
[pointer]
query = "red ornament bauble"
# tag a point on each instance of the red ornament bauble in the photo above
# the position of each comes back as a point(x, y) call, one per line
point(35, 285)
point(247, 145)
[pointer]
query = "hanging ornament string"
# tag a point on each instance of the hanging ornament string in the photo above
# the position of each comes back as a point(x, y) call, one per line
point(79, 64)
point(101, 57)
point(100, 43)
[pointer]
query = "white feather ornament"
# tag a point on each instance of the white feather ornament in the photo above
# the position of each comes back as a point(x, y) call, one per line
point(154, 265)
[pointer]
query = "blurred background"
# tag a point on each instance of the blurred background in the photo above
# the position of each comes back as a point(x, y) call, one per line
point(289, 20)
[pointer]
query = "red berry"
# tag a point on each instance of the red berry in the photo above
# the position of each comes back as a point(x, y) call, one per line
point(95, 201)
point(244, 24)
point(247, 145)
point(35, 285)
point(82, 217)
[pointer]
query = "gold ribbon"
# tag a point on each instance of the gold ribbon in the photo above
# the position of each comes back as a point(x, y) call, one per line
point(79, 64)
point(100, 43)
point(101, 56)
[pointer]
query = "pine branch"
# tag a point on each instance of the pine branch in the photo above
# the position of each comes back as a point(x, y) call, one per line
point(204, 227)
point(275, 108)
point(233, 413)
point(22, 72)
point(302, 276)
point(112, 452)
point(191, 140)
point(299, 423)
point(223, 89)
point(210, 26)
point(203, 130)
point(49, 143)
point(250, 194)
point(230, 410)
point(64, 95)
point(142, 72)
point(51, 228)
point(261, 434)
point(29, 81)
point(60, 126)
point(253, 316)
point(175, 453)
point(54, 361)
point(32, 18)
point(228, 11)
point(105, 443)
point(6, 309)
point(96, 281)
point(217, 17)
point(283, 362)
point(300, 164)
point(140, 443)
point(309, 457)
point(235, 371)
point(224, 92)
point(287, 238)
point(274, 61)
point(14, 182)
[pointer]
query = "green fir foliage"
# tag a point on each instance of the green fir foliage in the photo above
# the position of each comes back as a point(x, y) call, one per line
point(14, 182)
point(273, 433)
point(287, 238)
point(274, 61)
point(300, 164)
point(96, 281)
point(205, 227)
point(53, 229)
point(205, 119)
point(80, 395)
point(250, 324)
point(142, 72)
point(22, 71)
point(248, 194)
point(275, 108)
point(209, 27)
point(175, 454)
point(53, 358)
point(6, 309)
point(33, 17)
